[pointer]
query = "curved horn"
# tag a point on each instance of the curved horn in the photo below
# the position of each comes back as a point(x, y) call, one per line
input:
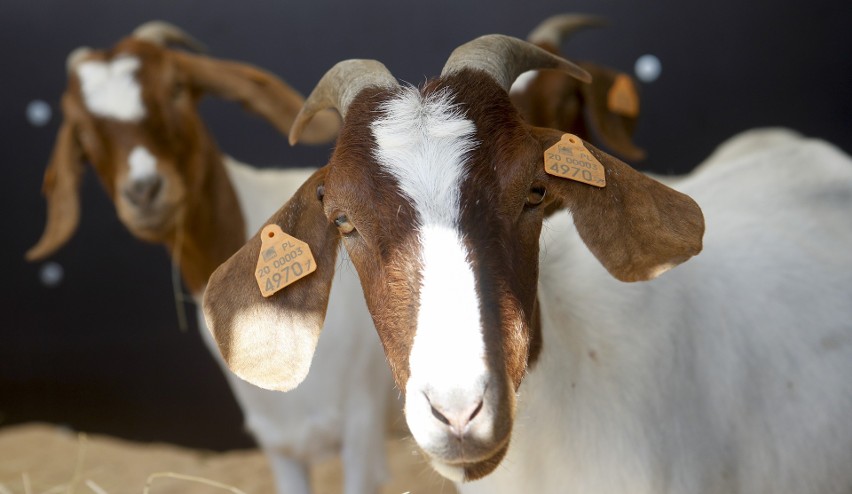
point(338, 87)
point(504, 58)
point(75, 57)
point(555, 29)
point(163, 33)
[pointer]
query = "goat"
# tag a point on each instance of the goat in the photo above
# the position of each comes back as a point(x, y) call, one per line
point(728, 374)
point(132, 112)
point(603, 111)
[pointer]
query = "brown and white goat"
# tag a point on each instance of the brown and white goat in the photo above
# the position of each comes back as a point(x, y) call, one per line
point(526, 364)
point(604, 110)
point(131, 112)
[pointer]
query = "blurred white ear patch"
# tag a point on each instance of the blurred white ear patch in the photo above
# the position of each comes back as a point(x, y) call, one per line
point(110, 89)
point(658, 270)
point(272, 349)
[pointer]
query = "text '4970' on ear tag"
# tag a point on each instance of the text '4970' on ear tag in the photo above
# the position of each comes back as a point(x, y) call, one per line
point(283, 260)
point(570, 159)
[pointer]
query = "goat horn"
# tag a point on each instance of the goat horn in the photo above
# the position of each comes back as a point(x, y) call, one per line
point(163, 33)
point(504, 58)
point(338, 87)
point(555, 29)
point(75, 57)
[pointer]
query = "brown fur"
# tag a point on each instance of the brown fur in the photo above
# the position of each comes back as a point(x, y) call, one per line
point(61, 184)
point(633, 226)
point(198, 215)
point(383, 249)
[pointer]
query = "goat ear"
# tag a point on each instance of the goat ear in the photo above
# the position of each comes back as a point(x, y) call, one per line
point(258, 91)
point(635, 226)
point(61, 188)
point(270, 341)
point(612, 124)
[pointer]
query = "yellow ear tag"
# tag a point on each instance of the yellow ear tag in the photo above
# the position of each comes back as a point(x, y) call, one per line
point(570, 159)
point(283, 260)
point(622, 97)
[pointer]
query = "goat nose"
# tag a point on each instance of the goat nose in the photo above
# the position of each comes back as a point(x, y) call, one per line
point(142, 191)
point(456, 414)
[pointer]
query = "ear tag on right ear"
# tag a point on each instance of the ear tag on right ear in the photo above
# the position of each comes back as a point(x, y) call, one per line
point(570, 159)
point(622, 97)
point(283, 260)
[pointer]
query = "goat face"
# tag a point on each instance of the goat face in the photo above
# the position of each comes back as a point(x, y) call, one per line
point(441, 217)
point(132, 112)
point(439, 195)
point(137, 123)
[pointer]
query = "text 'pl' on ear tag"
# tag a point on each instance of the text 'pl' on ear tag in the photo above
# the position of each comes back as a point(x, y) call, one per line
point(570, 159)
point(622, 97)
point(283, 260)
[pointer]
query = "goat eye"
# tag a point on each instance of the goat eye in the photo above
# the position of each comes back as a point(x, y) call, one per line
point(344, 225)
point(535, 196)
point(320, 192)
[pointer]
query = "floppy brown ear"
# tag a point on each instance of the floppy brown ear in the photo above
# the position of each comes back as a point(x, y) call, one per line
point(270, 341)
point(610, 121)
point(258, 91)
point(635, 226)
point(61, 188)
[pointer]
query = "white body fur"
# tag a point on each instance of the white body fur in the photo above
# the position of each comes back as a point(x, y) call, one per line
point(730, 374)
point(343, 401)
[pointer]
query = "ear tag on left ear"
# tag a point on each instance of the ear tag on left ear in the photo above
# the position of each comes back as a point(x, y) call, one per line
point(283, 260)
point(622, 97)
point(570, 159)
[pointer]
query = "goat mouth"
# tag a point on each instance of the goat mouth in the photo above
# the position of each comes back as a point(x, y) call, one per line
point(464, 471)
point(152, 223)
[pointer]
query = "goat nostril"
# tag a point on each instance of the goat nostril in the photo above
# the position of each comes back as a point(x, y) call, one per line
point(475, 411)
point(438, 415)
point(143, 192)
point(154, 189)
point(456, 420)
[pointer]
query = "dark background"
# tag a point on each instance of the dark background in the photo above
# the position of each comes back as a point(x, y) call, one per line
point(102, 351)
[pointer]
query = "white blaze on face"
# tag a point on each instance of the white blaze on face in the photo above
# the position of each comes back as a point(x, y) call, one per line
point(449, 329)
point(110, 89)
point(423, 143)
point(142, 163)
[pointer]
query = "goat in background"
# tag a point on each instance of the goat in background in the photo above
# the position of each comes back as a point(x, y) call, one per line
point(603, 111)
point(131, 111)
